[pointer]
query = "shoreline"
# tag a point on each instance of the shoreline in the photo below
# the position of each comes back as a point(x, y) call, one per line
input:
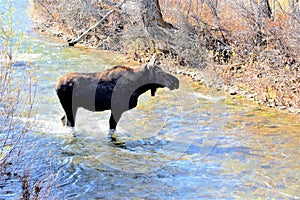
point(240, 80)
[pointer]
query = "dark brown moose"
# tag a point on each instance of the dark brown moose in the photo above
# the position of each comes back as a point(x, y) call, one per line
point(116, 89)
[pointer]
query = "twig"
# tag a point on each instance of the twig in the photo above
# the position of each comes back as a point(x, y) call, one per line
point(76, 40)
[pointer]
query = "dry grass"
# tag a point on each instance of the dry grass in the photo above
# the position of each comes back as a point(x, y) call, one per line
point(269, 72)
point(222, 34)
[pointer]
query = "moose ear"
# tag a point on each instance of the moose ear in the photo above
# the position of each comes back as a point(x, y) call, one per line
point(152, 61)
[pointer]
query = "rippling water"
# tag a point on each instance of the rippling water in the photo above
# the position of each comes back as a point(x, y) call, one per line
point(188, 144)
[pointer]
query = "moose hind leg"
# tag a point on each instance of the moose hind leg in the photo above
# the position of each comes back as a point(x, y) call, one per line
point(69, 118)
point(64, 120)
point(71, 115)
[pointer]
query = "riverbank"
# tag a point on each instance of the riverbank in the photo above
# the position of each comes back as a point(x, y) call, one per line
point(262, 73)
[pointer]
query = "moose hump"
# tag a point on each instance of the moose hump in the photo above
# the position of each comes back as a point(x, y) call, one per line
point(116, 89)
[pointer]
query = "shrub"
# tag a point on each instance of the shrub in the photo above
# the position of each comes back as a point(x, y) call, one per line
point(16, 95)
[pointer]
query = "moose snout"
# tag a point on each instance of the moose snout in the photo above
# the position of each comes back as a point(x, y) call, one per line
point(173, 83)
point(176, 84)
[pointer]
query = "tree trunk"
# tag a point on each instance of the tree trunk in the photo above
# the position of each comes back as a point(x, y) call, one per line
point(264, 12)
point(151, 14)
point(147, 24)
point(294, 7)
point(154, 25)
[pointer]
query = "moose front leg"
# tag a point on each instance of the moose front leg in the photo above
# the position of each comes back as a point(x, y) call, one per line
point(113, 121)
point(112, 136)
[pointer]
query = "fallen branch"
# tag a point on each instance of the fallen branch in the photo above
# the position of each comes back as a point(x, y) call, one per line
point(76, 40)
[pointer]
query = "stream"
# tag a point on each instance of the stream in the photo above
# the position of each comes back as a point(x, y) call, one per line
point(190, 143)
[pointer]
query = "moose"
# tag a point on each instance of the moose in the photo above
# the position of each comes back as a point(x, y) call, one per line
point(116, 89)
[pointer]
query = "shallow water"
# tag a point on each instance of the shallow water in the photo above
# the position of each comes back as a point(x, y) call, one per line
point(186, 144)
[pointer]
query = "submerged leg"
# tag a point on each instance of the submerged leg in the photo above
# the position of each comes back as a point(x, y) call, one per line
point(113, 122)
point(112, 136)
point(69, 118)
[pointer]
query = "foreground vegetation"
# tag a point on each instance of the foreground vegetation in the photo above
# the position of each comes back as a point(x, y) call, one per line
point(250, 48)
point(17, 94)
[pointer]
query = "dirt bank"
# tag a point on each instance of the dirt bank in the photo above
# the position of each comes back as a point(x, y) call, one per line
point(267, 72)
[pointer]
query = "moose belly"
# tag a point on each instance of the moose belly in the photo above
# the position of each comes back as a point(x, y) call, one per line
point(92, 97)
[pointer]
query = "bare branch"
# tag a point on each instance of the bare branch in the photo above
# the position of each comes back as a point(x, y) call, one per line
point(76, 40)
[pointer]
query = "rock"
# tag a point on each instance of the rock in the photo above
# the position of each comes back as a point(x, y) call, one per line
point(249, 96)
point(232, 91)
point(282, 107)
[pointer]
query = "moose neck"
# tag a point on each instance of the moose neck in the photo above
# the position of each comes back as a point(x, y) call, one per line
point(141, 90)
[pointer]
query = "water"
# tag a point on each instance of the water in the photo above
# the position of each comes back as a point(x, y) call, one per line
point(188, 144)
